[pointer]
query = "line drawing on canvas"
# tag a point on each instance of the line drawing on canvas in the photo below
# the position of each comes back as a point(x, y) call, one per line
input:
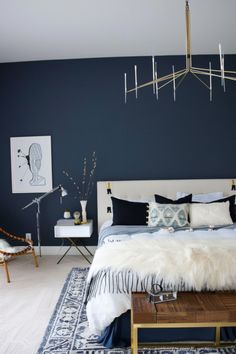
point(33, 163)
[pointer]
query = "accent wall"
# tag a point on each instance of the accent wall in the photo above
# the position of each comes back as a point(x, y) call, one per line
point(80, 104)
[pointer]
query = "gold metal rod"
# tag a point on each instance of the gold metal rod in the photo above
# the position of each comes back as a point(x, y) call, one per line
point(208, 74)
point(186, 325)
point(163, 78)
point(200, 80)
point(181, 80)
point(216, 70)
point(176, 77)
point(217, 338)
point(188, 39)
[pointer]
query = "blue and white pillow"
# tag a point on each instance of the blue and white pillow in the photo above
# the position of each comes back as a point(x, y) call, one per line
point(168, 215)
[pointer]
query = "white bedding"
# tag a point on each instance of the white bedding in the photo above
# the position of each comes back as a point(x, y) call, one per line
point(203, 259)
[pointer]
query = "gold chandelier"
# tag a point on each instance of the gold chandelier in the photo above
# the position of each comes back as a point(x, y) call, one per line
point(177, 77)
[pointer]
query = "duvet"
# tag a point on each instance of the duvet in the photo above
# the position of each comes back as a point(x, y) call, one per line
point(132, 258)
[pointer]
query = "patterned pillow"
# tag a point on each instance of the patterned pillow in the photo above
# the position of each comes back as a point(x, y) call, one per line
point(168, 215)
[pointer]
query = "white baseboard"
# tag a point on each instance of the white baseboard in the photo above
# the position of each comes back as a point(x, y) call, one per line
point(60, 250)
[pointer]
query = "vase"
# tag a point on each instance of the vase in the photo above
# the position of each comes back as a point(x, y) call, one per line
point(66, 214)
point(84, 213)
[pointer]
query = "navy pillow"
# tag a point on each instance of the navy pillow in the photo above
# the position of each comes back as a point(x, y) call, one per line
point(163, 200)
point(128, 213)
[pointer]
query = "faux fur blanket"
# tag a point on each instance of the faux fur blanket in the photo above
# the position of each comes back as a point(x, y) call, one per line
point(202, 263)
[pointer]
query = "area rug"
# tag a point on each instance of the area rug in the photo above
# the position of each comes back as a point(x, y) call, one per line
point(68, 331)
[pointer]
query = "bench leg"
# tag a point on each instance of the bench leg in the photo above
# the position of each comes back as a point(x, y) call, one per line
point(134, 340)
point(217, 338)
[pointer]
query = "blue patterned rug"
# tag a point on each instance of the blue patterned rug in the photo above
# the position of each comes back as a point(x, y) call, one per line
point(68, 333)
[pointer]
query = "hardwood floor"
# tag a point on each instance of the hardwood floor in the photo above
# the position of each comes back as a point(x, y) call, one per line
point(26, 304)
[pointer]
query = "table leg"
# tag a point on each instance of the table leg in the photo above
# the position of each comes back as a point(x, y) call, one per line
point(64, 254)
point(86, 248)
point(74, 244)
point(217, 338)
point(134, 340)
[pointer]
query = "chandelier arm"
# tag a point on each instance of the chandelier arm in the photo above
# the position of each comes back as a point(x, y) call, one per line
point(215, 75)
point(182, 79)
point(171, 80)
point(166, 77)
point(215, 70)
point(163, 78)
point(195, 75)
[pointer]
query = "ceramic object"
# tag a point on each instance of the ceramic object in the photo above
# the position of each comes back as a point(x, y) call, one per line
point(84, 213)
point(66, 214)
point(76, 216)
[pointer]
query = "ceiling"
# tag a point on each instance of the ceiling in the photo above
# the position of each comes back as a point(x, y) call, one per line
point(65, 29)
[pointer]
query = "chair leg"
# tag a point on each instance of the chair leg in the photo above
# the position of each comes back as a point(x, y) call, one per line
point(35, 258)
point(6, 271)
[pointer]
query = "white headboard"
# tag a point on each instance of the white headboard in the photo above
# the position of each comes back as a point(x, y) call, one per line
point(145, 190)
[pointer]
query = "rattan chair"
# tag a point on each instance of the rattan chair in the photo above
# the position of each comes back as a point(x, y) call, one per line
point(27, 248)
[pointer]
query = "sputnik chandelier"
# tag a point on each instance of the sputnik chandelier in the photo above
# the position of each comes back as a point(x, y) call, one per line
point(176, 77)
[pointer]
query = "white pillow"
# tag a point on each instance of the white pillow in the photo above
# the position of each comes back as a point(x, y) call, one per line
point(202, 198)
point(209, 214)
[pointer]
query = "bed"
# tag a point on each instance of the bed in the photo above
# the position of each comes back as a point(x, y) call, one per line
point(132, 255)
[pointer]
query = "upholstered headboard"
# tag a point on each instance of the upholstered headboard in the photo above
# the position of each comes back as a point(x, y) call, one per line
point(145, 190)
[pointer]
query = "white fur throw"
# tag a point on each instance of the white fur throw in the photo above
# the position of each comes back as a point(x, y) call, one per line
point(202, 262)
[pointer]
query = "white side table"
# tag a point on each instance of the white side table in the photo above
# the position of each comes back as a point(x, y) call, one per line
point(65, 228)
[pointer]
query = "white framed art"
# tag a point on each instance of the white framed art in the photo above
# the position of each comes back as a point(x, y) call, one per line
point(31, 164)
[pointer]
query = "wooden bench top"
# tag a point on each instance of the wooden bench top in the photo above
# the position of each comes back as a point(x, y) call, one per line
point(190, 307)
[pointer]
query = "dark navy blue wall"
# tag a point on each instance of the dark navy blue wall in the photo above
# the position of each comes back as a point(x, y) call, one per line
point(80, 103)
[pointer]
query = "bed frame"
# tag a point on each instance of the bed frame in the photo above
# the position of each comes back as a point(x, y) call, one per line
point(145, 190)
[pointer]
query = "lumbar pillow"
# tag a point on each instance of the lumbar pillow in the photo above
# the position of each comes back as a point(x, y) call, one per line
point(210, 214)
point(168, 215)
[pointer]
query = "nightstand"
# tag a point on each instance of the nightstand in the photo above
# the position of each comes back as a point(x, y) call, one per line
point(65, 228)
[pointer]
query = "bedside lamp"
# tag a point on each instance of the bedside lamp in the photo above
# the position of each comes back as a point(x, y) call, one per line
point(37, 201)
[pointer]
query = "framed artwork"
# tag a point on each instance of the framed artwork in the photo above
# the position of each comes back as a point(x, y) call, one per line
point(31, 164)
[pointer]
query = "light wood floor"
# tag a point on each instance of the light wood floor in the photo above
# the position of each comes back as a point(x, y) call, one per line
point(26, 304)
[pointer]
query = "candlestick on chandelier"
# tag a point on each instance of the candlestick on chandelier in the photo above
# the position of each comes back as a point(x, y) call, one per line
point(174, 86)
point(136, 81)
point(157, 90)
point(210, 85)
point(125, 76)
point(153, 73)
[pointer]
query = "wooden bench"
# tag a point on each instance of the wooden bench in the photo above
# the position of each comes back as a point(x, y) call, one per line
point(190, 310)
